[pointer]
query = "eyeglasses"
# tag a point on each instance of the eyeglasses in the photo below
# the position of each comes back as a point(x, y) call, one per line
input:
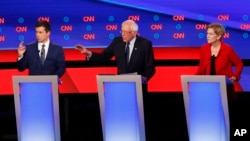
point(211, 34)
point(125, 32)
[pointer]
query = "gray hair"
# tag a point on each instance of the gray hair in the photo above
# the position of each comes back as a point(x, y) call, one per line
point(134, 26)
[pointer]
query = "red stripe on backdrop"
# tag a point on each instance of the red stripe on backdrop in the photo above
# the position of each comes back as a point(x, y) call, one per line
point(83, 80)
point(168, 79)
point(6, 80)
point(160, 54)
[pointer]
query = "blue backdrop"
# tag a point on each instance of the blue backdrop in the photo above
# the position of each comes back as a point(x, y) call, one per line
point(94, 23)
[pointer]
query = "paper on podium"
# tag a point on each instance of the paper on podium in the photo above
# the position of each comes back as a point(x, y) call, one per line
point(132, 73)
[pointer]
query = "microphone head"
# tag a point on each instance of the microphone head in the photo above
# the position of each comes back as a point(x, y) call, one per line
point(212, 57)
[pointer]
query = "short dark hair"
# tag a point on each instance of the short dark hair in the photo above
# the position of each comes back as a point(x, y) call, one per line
point(45, 24)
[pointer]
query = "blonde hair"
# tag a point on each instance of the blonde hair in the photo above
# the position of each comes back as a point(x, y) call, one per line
point(218, 28)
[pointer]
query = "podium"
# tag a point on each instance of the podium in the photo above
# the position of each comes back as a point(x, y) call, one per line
point(121, 107)
point(206, 106)
point(36, 107)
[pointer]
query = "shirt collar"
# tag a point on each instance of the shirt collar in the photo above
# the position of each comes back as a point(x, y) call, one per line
point(46, 44)
point(132, 42)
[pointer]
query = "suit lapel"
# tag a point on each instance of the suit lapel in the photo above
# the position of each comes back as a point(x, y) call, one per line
point(36, 52)
point(48, 53)
point(134, 52)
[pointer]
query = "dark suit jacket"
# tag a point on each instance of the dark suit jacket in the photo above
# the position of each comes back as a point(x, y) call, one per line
point(54, 63)
point(141, 60)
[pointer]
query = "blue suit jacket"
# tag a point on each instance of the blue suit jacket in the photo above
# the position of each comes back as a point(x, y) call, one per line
point(54, 63)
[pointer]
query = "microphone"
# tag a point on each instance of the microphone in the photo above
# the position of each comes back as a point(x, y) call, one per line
point(212, 68)
point(212, 58)
point(40, 51)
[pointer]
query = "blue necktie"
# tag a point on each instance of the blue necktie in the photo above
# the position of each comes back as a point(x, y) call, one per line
point(127, 52)
point(43, 54)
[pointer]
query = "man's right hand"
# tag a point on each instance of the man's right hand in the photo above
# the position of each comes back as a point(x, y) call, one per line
point(21, 49)
point(82, 49)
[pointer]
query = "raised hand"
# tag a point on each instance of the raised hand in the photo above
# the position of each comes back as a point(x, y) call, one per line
point(21, 49)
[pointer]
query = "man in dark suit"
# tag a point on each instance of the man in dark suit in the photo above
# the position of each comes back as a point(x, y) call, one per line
point(133, 54)
point(41, 57)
